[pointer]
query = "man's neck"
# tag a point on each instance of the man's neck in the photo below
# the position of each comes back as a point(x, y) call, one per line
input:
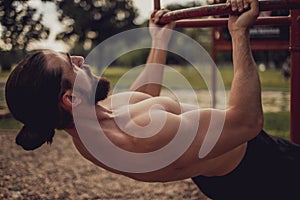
point(103, 113)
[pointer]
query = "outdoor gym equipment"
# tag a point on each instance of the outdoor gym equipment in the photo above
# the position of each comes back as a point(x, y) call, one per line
point(187, 18)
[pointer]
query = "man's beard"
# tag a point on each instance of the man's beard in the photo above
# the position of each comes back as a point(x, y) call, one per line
point(100, 86)
point(102, 89)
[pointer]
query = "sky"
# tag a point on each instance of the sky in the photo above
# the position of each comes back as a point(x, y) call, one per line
point(145, 7)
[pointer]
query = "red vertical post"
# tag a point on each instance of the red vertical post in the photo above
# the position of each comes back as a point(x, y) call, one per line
point(213, 54)
point(156, 4)
point(295, 75)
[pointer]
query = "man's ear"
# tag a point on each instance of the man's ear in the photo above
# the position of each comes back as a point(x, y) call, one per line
point(70, 99)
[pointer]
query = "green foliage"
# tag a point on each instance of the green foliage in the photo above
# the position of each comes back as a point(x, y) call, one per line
point(201, 35)
point(20, 26)
point(89, 22)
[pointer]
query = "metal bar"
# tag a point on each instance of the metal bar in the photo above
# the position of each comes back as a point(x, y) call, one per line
point(213, 54)
point(216, 22)
point(223, 9)
point(295, 76)
point(262, 45)
point(156, 4)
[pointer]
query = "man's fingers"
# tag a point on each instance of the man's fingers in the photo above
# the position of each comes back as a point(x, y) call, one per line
point(228, 2)
point(254, 8)
point(158, 14)
point(238, 5)
point(246, 4)
point(153, 14)
point(233, 4)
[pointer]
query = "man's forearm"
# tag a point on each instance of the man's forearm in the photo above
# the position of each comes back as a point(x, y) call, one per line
point(245, 93)
point(150, 79)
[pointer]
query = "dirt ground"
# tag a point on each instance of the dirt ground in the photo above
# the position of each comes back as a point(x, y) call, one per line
point(59, 172)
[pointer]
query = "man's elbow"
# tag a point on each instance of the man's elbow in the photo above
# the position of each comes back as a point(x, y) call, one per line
point(251, 123)
point(255, 124)
point(259, 123)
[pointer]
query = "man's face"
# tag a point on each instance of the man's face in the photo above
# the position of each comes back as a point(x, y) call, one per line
point(92, 87)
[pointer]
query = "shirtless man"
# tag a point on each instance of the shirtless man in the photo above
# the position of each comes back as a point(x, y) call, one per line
point(41, 86)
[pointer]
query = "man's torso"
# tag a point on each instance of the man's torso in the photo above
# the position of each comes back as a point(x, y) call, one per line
point(135, 111)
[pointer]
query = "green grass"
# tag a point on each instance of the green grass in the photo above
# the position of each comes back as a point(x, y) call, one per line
point(4, 74)
point(273, 80)
point(9, 124)
point(277, 123)
point(270, 79)
point(2, 101)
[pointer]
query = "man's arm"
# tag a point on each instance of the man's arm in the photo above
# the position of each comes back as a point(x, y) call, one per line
point(245, 90)
point(244, 116)
point(241, 122)
point(150, 79)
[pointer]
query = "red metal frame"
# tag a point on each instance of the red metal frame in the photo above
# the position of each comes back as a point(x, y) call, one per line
point(156, 4)
point(295, 75)
point(223, 9)
point(293, 45)
point(215, 22)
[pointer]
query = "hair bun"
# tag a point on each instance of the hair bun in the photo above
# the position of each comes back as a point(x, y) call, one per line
point(31, 138)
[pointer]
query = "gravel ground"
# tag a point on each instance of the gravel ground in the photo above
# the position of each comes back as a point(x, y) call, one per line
point(59, 172)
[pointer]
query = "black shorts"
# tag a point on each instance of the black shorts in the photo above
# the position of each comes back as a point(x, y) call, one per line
point(269, 170)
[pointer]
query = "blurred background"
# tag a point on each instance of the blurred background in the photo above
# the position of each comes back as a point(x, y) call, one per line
point(77, 26)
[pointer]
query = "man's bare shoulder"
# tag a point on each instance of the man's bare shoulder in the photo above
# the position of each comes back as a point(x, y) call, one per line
point(124, 98)
point(139, 100)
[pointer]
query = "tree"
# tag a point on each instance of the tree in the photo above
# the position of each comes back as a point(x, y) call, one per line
point(20, 25)
point(201, 35)
point(90, 22)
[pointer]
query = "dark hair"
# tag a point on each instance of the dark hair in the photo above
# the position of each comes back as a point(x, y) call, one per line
point(32, 93)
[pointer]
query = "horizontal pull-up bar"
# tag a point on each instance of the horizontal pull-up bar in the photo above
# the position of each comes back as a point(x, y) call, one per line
point(213, 22)
point(223, 9)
